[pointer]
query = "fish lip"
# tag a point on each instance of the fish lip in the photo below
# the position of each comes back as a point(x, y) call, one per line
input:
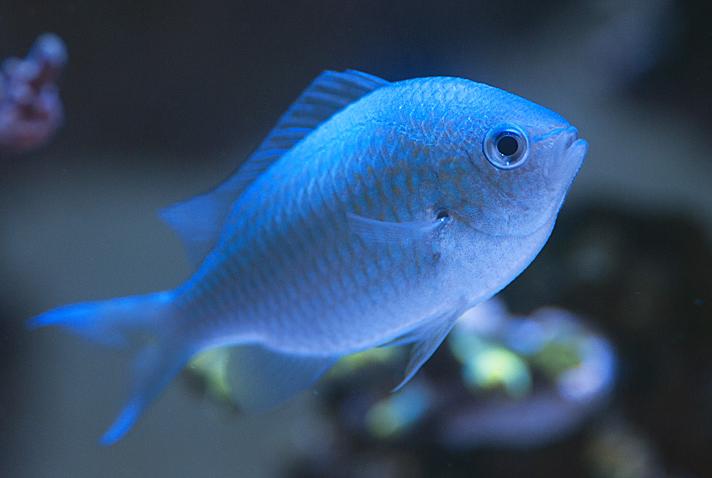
point(576, 152)
point(580, 145)
point(570, 136)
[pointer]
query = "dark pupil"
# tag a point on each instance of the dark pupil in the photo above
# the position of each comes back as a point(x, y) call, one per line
point(507, 145)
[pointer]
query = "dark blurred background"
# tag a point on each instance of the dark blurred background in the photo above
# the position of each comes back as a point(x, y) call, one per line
point(162, 101)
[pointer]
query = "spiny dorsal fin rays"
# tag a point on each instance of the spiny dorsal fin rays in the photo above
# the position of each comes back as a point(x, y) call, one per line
point(199, 220)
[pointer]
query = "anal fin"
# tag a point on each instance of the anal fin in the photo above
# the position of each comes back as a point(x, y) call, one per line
point(261, 378)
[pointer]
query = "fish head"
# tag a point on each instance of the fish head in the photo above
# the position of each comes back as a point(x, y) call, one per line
point(510, 164)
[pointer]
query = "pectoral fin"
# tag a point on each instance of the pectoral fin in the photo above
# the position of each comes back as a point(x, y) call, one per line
point(385, 232)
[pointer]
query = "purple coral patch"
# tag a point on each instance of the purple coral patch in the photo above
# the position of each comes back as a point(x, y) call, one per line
point(30, 108)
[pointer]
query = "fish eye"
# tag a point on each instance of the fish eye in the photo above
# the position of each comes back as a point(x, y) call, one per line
point(442, 215)
point(506, 146)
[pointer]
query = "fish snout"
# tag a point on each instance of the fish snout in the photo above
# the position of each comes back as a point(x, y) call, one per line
point(564, 139)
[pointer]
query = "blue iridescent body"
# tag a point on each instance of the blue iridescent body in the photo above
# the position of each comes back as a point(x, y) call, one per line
point(375, 213)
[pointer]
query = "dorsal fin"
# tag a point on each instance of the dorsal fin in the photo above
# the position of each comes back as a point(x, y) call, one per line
point(199, 220)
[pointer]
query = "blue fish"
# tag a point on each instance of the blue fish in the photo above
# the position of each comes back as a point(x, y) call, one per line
point(373, 214)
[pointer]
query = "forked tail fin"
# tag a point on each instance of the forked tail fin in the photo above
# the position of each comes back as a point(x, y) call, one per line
point(147, 321)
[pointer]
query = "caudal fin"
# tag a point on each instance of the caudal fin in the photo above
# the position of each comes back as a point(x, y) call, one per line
point(146, 321)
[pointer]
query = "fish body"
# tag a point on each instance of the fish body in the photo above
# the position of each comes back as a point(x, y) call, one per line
point(374, 214)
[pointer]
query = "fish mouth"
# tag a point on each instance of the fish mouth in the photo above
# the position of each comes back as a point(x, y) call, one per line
point(575, 148)
point(573, 151)
point(568, 149)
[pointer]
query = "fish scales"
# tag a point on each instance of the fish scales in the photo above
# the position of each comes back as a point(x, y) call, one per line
point(374, 213)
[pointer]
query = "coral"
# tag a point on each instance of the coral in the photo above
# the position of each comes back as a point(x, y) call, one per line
point(30, 107)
